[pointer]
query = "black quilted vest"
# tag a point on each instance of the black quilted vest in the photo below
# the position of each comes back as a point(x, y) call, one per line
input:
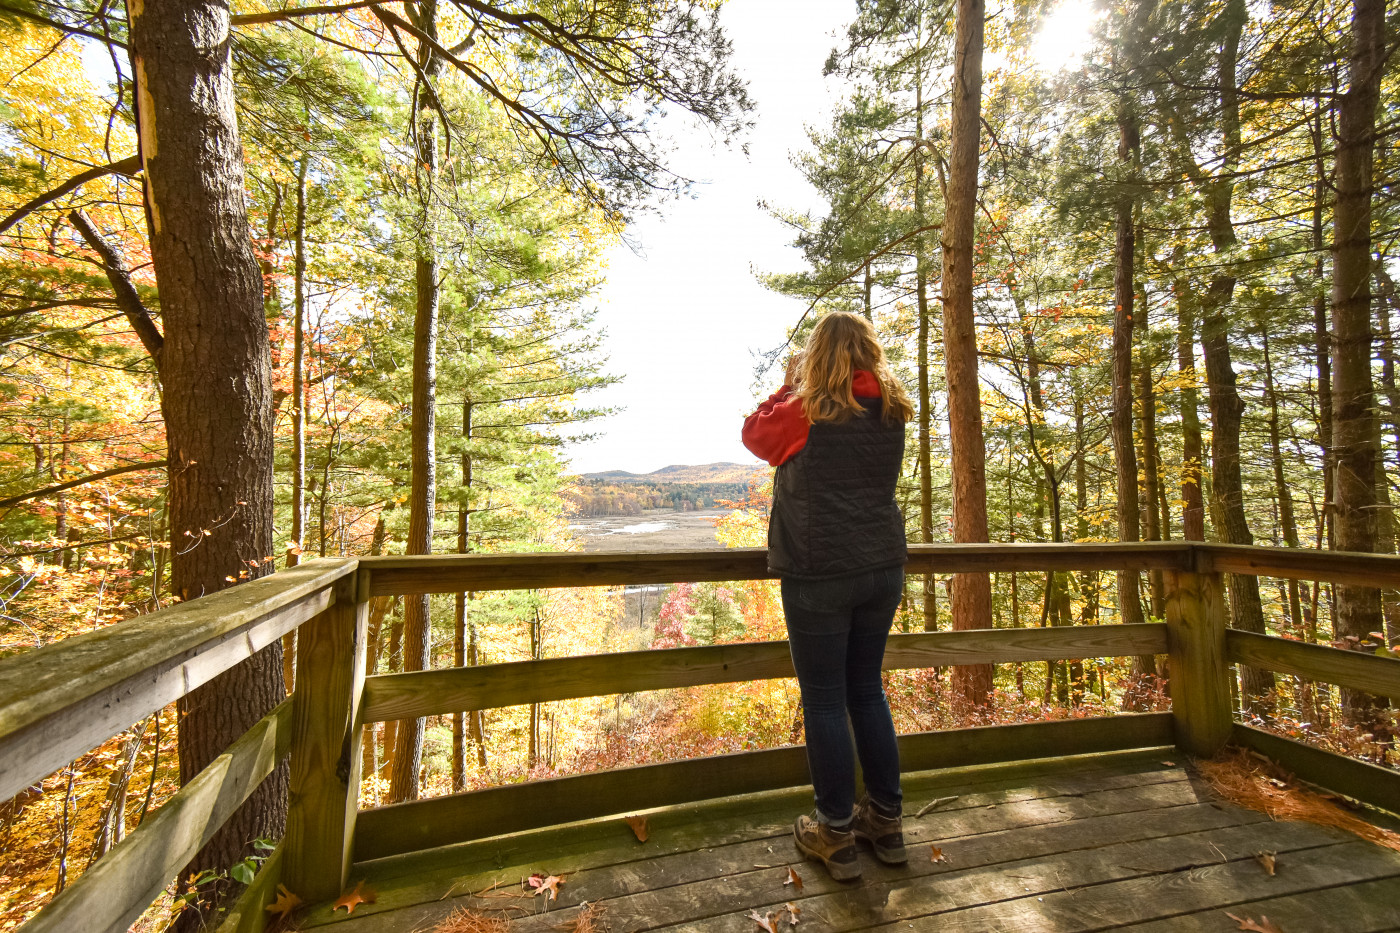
point(834, 511)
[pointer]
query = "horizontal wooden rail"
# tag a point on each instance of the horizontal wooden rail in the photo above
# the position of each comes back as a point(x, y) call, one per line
point(428, 693)
point(439, 821)
point(117, 889)
point(61, 700)
point(1366, 672)
point(1378, 570)
point(1372, 784)
point(454, 573)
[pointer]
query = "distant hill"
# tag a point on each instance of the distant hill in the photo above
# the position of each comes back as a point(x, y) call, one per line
point(682, 473)
point(677, 487)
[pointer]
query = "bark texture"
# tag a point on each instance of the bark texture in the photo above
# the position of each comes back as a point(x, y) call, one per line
point(972, 596)
point(215, 370)
point(1355, 431)
point(417, 628)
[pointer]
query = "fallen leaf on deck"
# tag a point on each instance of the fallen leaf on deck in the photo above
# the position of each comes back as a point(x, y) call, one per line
point(935, 854)
point(768, 923)
point(352, 899)
point(543, 883)
point(1262, 925)
point(285, 903)
point(1268, 860)
point(793, 879)
point(639, 827)
point(1169, 764)
point(793, 912)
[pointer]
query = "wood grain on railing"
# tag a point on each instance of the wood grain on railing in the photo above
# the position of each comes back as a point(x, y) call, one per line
point(1378, 570)
point(61, 700)
point(325, 766)
point(438, 821)
point(453, 573)
point(1200, 691)
point(1354, 669)
point(404, 696)
point(109, 896)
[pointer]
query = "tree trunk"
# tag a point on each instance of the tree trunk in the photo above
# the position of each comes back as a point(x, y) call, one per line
point(463, 602)
point(972, 594)
point(1193, 510)
point(1390, 599)
point(1288, 526)
point(408, 752)
point(298, 536)
point(1226, 406)
point(1322, 184)
point(216, 374)
point(1354, 427)
point(930, 601)
point(1151, 458)
point(1124, 450)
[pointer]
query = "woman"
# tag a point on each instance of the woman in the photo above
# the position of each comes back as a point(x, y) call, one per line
point(835, 432)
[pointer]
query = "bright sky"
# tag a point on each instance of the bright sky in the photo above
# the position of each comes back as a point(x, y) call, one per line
point(683, 318)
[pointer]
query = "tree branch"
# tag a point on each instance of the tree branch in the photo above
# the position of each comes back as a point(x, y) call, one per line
point(50, 490)
point(282, 16)
point(128, 166)
point(128, 301)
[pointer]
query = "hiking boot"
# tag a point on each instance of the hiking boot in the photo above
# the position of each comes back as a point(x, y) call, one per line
point(884, 833)
point(833, 848)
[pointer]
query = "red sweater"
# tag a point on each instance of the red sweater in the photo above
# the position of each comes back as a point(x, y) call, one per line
point(778, 430)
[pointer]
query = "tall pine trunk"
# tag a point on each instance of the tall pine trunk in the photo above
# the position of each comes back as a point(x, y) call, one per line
point(1354, 427)
point(1124, 449)
point(972, 592)
point(417, 625)
point(215, 370)
point(1193, 509)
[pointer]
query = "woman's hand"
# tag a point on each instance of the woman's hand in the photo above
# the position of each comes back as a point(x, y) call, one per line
point(793, 366)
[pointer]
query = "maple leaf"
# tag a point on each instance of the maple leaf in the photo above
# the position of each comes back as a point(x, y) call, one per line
point(768, 923)
point(794, 879)
point(1268, 860)
point(285, 903)
point(639, 827)
point(935, 854)
point(793, 912)
point(1262, 925)
point(352, 899)
point(550, 884)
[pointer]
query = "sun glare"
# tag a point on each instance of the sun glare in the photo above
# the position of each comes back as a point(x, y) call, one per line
point(1065, 35)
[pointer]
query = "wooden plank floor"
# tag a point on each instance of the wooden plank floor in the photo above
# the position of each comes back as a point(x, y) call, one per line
point(1127, 841)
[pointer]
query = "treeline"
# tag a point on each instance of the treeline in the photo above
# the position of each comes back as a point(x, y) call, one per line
point(341, 307)
point(598, 498)
point(1142, 294)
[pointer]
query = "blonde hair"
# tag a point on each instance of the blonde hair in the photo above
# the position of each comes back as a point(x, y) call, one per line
point(840, 344)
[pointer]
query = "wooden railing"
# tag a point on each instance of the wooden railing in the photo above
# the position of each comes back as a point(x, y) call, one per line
point(62, 700)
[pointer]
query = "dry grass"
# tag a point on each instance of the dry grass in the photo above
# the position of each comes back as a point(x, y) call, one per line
point(466, 920)
point(1256, 783)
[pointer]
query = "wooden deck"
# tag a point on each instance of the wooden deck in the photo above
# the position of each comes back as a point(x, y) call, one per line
point(1111, 841)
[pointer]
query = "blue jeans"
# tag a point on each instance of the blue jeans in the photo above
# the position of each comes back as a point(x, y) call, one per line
point(836, 631)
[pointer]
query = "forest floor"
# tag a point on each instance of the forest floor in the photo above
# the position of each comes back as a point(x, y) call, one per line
point(653, 530)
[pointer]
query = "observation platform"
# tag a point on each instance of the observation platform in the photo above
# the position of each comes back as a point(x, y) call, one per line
point(1077, 824)
point(1116, 841)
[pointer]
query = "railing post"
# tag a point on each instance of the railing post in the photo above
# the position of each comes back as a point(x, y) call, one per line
point(1198, 675)
point(325, 756)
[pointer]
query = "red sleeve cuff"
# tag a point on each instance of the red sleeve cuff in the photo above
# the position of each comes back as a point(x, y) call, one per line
point(778, 429)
